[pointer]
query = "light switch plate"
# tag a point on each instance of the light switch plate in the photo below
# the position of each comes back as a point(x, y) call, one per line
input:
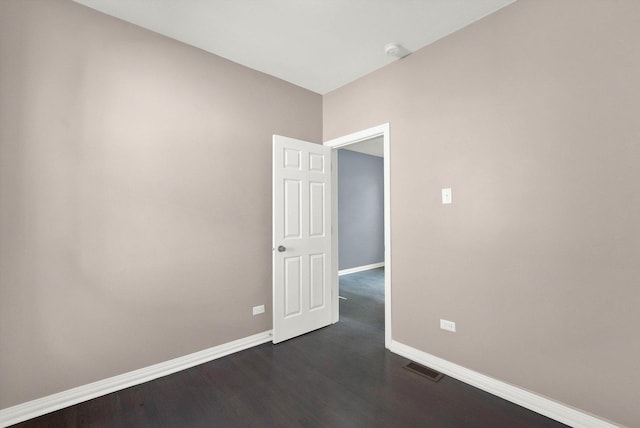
point(447, 197)
point(258, 310)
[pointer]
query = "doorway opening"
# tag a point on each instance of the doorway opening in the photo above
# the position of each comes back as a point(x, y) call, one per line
point(373, 140)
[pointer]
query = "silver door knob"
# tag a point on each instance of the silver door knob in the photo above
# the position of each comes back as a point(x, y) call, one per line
point(282, 248)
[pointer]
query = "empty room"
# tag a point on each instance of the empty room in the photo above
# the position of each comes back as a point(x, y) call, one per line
point(170, 199)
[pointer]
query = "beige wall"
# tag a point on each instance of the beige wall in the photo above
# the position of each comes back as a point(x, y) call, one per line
point(135, 196)
point(135, 188)
point(532, 117)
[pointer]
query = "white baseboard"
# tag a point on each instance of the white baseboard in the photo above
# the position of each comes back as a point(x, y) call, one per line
point(60, 400)
point(537, 403)
point(360, 268)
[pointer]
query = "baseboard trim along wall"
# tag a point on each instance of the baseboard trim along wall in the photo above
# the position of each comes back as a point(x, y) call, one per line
point(60, 400)
point(360, 268)
point(539, 404)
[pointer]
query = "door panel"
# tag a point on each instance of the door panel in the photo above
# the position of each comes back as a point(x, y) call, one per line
point(301, 237)
point(292, 209)
point(316, 162)
point(317, 281)
point(292, 159)
point(292, 286)
point(317, 201)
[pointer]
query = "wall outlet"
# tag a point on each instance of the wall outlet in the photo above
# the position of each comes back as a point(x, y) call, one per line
point(448, 325)
point(258, 310)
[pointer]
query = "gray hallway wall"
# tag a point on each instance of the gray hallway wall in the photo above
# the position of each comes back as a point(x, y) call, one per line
point(360, 209)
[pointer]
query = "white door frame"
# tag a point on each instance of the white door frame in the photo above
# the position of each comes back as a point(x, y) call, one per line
point(341, 142)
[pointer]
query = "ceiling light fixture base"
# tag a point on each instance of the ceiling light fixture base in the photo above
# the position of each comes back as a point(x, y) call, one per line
point(395, 49)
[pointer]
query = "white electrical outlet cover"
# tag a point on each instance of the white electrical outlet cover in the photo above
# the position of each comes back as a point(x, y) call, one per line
point(448, 325)
point(258, 310)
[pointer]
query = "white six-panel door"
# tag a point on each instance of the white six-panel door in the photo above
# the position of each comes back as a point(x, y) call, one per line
point(301, 237)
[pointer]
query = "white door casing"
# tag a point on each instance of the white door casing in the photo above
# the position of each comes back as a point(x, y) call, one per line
point(301, 237)
point(344, 141)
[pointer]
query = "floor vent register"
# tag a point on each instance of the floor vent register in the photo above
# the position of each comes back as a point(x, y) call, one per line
point(424, 371)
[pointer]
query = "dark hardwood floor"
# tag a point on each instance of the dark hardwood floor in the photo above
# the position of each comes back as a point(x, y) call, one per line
point(339, 376)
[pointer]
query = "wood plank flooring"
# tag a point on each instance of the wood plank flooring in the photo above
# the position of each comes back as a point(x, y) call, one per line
point(339, 376)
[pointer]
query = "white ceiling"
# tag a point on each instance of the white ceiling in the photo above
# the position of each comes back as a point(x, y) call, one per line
point(317, 44)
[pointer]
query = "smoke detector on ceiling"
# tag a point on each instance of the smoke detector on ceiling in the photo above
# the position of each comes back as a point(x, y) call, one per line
point(396, 49)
